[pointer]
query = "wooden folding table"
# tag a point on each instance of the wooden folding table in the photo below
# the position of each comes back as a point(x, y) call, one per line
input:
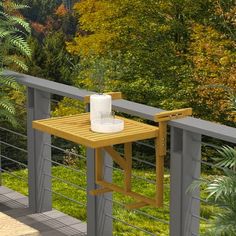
point(76, 128)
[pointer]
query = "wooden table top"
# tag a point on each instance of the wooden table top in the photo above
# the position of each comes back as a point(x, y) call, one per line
point(76, 128)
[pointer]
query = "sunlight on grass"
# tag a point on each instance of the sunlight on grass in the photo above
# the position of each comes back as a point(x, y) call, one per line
point(131, 217)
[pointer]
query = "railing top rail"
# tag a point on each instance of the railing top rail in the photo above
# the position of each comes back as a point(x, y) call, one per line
point(49, 86)
point(203, 127)
point(192, 124)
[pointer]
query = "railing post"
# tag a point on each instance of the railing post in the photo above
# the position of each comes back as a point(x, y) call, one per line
point(38, 107)
point(99, 209)
point(185, 168)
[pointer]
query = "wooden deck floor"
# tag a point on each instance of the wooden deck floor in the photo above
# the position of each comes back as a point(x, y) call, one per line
point(17, 220)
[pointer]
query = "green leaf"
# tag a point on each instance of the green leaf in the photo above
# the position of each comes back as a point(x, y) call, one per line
point(21, 22)
point(227, 158)
point(21, 45)
point(9, 81)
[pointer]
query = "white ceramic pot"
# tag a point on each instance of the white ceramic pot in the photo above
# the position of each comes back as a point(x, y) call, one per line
point(100, 105)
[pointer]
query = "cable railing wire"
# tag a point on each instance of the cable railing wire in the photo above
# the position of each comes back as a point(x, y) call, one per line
point(146, 144)
point(212, 165)
point(54, 100)
point(210, 145)
point(13, 132)
point(135, 176)
point(201, 200)
point(139, 160)
point(13, 146)
point(16, 176)
point(200, 218)
point(140, 212)
point(132, 226)
point(65, 151)
point(67, 167)
point(10, 159)
point(64, 196)
point(66, 182)
point(143, 161)
point(144, 179)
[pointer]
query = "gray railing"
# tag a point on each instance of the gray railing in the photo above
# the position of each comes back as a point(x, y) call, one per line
point(185, 162)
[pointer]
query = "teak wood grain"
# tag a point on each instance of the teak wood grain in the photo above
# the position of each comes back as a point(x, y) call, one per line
point(114, 96)
point(76, 128)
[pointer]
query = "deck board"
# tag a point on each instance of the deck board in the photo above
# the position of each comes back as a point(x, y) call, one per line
point(16, 219)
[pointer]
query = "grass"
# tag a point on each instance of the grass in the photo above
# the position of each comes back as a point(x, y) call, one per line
point(79, 211)
point(122, 216)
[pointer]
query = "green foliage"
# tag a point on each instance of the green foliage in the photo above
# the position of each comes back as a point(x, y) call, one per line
point(12, 36)
point(165, 52)
point(221, 191)
point(146, 39)
point(213, 56)
point(57, 64)
point(39, 9)
point(227, 158)
point(50, 60)
point(13, 48)
point(95, 73)
point(79, 211)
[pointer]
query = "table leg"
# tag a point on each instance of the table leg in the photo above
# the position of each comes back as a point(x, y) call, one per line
point(160, 155)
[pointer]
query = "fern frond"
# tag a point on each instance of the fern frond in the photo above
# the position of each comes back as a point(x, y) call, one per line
point(4, 33)
point(222, 186)
point(9, 81)
point(227, 158)
point(17, 31)
point(22, 23)
point(5, 15)
point(226, 223)
point(7, 105)
point(15, 60)
point(16, 6)
point(10, 31)
point(6, 116)
point(21, 45)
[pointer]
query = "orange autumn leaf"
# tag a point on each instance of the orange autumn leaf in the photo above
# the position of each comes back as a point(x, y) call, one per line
point(61, 10)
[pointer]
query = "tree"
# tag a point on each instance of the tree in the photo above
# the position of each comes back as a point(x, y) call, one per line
point(39, 9)
point(148, 41)
point(154, 46)
point(137, 35)
point(12, 50)
point(58, 64)
point(213, 55)
point(61, 10)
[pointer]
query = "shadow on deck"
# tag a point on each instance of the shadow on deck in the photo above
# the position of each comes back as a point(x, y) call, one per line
point(16, 219)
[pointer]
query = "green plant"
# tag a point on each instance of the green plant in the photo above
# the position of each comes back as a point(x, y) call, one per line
point(79, 211)
point(221, 191)
point(95, 72)
point(13, 48)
